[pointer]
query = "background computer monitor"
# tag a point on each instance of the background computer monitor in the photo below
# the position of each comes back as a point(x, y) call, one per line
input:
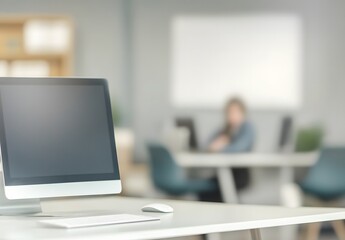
point(189, 124)
point(286, 132)
point(57, 138)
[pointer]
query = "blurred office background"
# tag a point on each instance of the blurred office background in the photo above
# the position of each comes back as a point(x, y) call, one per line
point(174, 63)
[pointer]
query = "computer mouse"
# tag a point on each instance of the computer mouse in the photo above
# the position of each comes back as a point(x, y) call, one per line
point(157, 207)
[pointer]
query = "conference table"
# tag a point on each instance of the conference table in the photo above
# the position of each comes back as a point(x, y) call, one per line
point(189, 218)
point(286, 162)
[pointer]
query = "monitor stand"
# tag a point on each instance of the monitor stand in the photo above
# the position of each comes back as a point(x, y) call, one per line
point(17, 207)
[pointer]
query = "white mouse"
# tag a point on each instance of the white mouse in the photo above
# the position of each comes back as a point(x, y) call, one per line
point(157, 207)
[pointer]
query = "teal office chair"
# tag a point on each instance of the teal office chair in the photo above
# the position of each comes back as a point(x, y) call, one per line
point(325, 180)
point(170, 178)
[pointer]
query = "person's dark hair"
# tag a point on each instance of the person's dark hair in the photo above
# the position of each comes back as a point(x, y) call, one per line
point(235, 101)
point(231, 102)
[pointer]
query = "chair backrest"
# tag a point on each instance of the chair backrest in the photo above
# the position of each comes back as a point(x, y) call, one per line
point(165, 172)
point(308, 139)
point(326, 178)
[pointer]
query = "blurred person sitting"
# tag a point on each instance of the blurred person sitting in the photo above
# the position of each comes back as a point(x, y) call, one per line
point(237, 136)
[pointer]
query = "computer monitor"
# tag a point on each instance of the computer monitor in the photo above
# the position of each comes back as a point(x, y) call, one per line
point(286, 132)
point(189, 124)
point(57, 138)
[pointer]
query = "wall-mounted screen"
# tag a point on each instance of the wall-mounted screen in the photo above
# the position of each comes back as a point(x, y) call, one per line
point(256, 57)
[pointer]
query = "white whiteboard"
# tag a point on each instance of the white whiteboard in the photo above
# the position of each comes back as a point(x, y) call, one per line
point(256, 57)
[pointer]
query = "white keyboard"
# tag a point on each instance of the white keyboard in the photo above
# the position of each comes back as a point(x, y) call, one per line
point(78, 222)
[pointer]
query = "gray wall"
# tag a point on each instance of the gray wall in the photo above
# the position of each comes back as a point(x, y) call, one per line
point(324, 51)
point(99, 38)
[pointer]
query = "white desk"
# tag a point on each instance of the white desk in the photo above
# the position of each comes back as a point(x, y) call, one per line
point(189, 218)
point(222, 162)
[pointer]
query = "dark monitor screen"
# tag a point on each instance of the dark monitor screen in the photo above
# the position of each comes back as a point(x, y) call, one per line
point(56, 131)
point(189, 124)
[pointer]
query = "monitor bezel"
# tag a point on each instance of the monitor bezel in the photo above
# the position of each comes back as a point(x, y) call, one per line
point(70, 180)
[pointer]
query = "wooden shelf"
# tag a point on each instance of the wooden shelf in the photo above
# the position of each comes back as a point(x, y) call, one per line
point(12, 57)
point(12, 46)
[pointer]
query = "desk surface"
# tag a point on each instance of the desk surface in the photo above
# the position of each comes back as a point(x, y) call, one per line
point(189, 218)
point(215, 160)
